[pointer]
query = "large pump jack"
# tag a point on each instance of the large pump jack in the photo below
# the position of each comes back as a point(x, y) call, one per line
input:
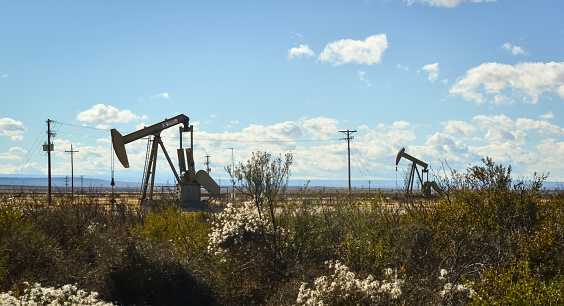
point(425, 185)
point(189, 182)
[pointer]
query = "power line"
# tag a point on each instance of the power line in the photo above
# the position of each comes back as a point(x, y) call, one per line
point(28, 156)
point(367, 166)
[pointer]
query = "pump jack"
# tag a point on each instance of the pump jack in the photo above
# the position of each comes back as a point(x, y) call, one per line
point(189, 182)
point(425, 186)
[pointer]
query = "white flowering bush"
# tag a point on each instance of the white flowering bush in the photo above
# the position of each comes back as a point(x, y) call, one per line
point(37, 295)
point(451, 290)
point(236, 225)
point(343, 287)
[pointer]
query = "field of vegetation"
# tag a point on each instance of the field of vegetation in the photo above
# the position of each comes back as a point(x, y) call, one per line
point(489, 240)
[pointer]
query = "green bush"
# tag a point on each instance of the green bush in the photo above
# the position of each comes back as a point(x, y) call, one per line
point(185, 231)
point(516, 285)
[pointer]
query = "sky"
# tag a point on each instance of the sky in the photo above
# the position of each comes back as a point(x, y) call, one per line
point(452, 81)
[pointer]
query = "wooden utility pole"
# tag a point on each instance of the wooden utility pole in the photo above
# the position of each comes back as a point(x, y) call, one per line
point(208, 163)
point(72, 171)
point(232, 171)
point(348, 139)
point(49, 147)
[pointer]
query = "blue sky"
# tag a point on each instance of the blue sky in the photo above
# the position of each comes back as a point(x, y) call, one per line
point(450, 80)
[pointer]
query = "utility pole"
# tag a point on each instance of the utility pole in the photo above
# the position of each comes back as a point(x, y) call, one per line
point(348, 139)
point(72, 171)
point(232, 170)
point(49, 147)
point(81, 185)
point(208, 163)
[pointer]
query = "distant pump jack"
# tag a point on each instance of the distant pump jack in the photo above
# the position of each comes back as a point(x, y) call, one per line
point(189, 181)
point(425, 185)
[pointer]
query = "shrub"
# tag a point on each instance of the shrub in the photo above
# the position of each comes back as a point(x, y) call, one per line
point(65, 295)
point(186, 232)
point(517, 286)
point(344, 288)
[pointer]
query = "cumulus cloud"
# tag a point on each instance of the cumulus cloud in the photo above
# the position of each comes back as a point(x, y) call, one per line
point(344, 51)
point(400, 125)
point(553, 154)
point(542, 126)
point(458, 127)
point(515, 50)
point(500, 128)
point(444, 145)
point(433, 70)
point(302, 50)
point(320, 127)
point(101, 113)
point(12, 128)
point(281, 131)
point(4, 76)
point(13, 153)
point(527, 81)
point(444, 3)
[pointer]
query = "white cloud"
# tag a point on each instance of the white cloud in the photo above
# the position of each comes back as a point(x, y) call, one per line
point(302, 50)
point(279, 132)
point(445, 3)
point(344, 51)
point(459, 127)
point(402, 67)
point(553, 155)
point(4, 76)
point(433, 70)
point(163, 95)
point(548, 115)
point(542, 126)
point(103, 126)
point(515, 50)
point(12, 128)
point(494, 121)
point(106, 114)
point(17, 150)
point(321, 127)
point(500, 128)
point(400, 125)
point(293, 35)
point(14, 153)
point(445, 146)
point(361, 77)
point(31, 168)
point(527, 82)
